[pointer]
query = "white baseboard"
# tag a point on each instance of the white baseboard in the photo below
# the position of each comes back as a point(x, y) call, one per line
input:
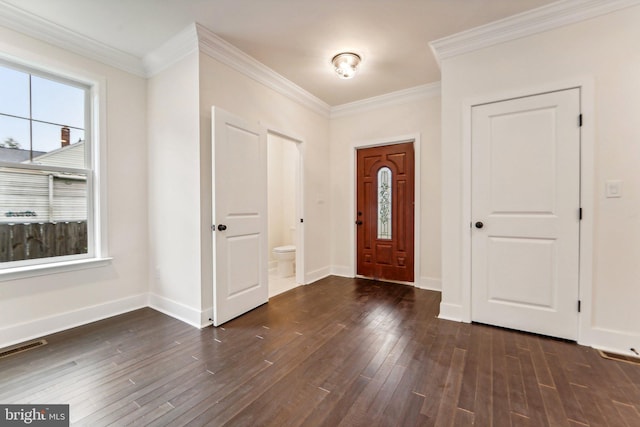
point(314, 276)
point(342, 271)
point(430, 284)
point(37, 328)
point(177, 310)
point(451, 312)
point(612, 341)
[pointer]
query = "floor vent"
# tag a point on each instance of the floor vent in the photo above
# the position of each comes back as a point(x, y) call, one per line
point(22, 347)
point(620, 357)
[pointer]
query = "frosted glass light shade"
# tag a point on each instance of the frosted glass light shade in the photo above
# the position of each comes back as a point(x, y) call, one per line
point(346, 64)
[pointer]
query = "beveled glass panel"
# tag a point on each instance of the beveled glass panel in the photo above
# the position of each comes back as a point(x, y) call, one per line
point(384, 203)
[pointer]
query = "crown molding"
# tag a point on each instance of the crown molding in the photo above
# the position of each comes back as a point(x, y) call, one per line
point(390, 99)
point(21, 21)
point(545, 18)
point(223, 51)
point(179, 46)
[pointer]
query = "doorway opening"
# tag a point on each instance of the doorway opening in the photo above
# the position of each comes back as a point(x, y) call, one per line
point(285, 219)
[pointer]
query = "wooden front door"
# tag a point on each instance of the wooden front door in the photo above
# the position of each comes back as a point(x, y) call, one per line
point(384, 217)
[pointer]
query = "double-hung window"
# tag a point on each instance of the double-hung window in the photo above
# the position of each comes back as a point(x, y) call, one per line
point(47, 177)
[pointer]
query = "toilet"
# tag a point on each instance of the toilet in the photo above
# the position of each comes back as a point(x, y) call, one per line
point(285, 257)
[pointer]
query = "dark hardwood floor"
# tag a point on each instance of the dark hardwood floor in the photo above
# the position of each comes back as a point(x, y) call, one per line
point(340, 352)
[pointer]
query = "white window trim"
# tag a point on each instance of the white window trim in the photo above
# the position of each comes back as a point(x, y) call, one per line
point(97, 219)
point(52, 268)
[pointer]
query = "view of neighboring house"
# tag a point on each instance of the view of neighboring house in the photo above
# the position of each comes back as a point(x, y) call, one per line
point(17, 155)
point(40, 195)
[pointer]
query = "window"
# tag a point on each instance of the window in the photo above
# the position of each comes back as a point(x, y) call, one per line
point(46, 169)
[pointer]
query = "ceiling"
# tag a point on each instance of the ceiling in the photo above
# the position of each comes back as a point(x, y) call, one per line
point(295, 38)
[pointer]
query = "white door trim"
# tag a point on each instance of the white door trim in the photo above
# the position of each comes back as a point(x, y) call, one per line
point(587, 194)
point(415, 138)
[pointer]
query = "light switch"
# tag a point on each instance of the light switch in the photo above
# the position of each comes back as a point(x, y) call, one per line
point(613, 188)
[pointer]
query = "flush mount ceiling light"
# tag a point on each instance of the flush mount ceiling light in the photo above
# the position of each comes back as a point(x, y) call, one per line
point(346, 64)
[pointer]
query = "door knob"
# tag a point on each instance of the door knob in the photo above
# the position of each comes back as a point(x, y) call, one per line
point(358, 222)
point(479, 224)
point(222, 227)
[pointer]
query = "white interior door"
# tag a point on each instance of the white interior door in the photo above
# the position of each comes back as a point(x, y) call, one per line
point(239, 157)
point(525, 211)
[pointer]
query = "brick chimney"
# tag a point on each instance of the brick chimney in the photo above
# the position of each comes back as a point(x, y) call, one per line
point(65, 136)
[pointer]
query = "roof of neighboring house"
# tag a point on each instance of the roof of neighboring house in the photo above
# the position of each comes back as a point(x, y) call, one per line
point(68, 156)
point(17, 155)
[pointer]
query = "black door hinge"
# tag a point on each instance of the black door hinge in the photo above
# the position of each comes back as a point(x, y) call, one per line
point(580, 214)
point(301, 220)
point(579, 305)
point(580, 120)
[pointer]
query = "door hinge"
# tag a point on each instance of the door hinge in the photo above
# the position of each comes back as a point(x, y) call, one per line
point(580, 214)
point(580, 120)
point(579, 305)
point(301, 220)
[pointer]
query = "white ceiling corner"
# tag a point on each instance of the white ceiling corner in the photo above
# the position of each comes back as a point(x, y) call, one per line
point(545, 18)
point(39, 28)
point(178, 47)
point(209, 43)
point(225, 52)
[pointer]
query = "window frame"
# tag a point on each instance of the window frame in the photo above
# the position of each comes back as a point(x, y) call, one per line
point(95, 171)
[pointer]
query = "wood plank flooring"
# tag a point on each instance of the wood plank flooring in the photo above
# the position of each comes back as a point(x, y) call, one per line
point(340, 352)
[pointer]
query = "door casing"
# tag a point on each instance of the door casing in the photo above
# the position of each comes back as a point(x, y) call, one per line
point(586, 84)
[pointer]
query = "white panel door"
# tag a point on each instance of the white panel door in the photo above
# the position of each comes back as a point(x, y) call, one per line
point(525, 212)
point(240, 216)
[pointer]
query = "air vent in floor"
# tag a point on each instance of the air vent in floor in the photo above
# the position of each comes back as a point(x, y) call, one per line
point(620, 357)
point(10, 351)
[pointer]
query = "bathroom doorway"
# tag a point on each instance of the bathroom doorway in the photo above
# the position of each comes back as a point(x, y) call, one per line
point(285, 218)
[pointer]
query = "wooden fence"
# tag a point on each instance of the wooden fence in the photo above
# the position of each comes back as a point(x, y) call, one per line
point(42, 240)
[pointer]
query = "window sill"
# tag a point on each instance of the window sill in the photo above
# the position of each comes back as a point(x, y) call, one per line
point(52, 268)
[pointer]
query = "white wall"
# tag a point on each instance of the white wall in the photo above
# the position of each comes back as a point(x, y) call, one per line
point(225, 88)
point(414, 117)
point(174, 191)
point(180, 100)
point(36, 306)
point(282, 165)
point(602, 50)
